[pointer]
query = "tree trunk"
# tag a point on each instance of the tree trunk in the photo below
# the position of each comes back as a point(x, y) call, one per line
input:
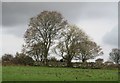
point(69, 64)
point(83, 60)
point(46, 61)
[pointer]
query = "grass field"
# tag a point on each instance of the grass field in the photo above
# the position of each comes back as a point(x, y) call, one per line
point(27, 73)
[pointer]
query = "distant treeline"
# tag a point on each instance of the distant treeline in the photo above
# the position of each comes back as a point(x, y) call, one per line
point(23, 60)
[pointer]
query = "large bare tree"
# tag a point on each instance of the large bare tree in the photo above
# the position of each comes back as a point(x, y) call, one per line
point(75, 43)
point(69, 46)
point(43, 30)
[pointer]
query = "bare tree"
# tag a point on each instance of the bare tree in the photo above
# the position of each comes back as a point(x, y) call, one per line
point(44, 29)
point(69, 47)
point(76, 44)
point(89, 50)
point(115, 55)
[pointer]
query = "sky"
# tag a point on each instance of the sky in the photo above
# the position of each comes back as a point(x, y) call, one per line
point(98, 19)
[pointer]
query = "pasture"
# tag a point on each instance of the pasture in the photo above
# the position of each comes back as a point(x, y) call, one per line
point(30, 73)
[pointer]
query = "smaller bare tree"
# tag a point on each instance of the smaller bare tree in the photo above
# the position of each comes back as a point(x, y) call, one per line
point(115, 55)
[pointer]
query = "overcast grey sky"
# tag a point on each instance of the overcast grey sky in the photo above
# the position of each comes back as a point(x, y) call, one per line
point(98, 19)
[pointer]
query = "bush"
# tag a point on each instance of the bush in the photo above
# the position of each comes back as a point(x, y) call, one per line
point(7, 59)
point(22, 59)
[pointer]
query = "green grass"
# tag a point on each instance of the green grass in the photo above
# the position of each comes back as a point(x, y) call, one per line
point(28, 73)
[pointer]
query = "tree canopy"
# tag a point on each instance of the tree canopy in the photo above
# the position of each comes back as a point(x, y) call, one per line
point(76, 44)
point(89, 50)
point(43, 30)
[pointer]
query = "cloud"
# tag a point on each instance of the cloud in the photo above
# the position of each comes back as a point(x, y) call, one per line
point(19, 13)
point(111, 37)
point(16, 13)
point(17, 31)
point(11, 44)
